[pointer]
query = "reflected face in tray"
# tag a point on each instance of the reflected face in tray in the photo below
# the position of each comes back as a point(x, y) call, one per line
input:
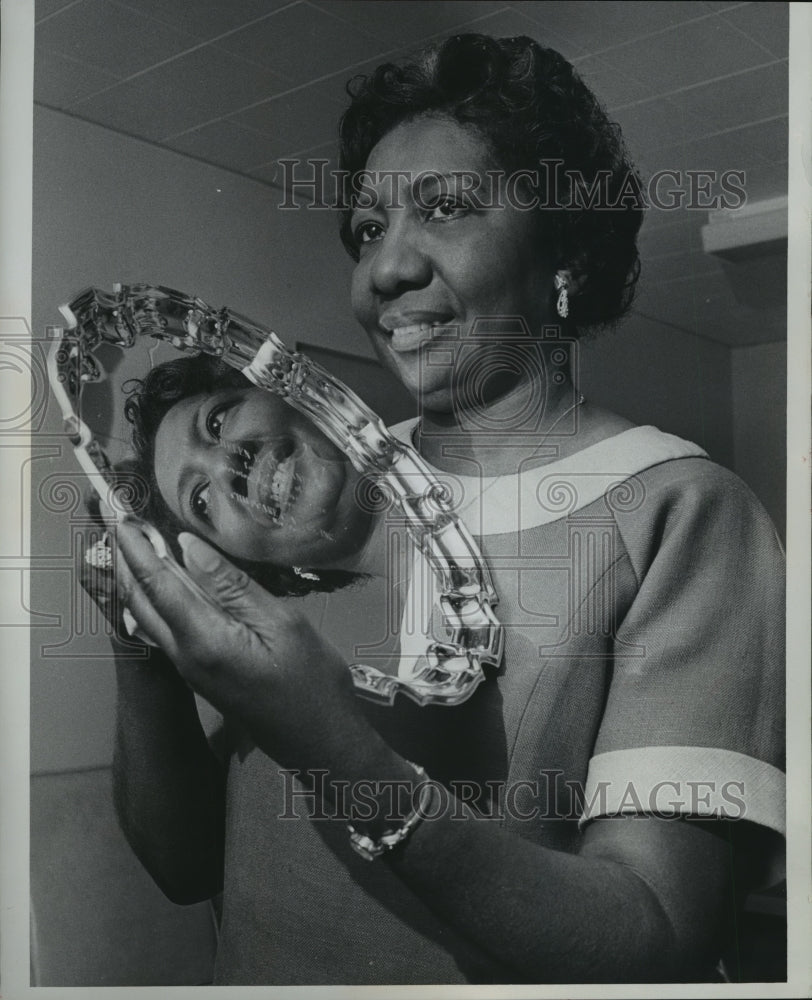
point(243, 469)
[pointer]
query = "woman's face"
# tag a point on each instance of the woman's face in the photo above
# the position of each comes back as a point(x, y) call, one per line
point(243, 469)
point(431, 258)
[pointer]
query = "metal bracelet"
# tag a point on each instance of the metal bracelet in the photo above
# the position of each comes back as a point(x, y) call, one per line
point(450, 671)
point(370, 849)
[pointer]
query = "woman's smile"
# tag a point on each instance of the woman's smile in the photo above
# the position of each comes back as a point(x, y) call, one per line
point(249, 473)
point(273, 482)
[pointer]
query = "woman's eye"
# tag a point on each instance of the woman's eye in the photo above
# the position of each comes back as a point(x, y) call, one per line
point(367, 232)
point(214, 422)
point(447, 208)
point(200, 500)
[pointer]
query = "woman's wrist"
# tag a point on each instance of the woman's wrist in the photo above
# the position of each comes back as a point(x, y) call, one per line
point(363, 781)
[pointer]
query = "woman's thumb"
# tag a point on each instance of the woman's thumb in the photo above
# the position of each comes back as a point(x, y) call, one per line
point(232, 588)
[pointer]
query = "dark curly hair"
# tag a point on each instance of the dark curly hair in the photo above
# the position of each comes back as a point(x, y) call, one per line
point(530, 106)
point(149, 400)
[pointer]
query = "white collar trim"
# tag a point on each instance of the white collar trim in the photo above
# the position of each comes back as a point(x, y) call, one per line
point(495, 505)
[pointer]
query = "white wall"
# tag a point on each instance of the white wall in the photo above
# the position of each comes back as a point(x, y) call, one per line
point(759, 383)
point(653, 374)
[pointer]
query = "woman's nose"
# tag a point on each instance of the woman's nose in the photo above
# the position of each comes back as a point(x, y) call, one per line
point(229, 464)
point(400, 262)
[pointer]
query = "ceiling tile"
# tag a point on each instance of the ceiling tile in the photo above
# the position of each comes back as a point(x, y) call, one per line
point(769, 139)
point(736, 150)
point(740, 99)
point(206, 19)
point(59, 81)
point(766, 23)
point(687, 55)
point(47, 8)
point(407, 22)
point(513, 21)
point(596, 25)
point(301, 43)
point(268, 173)
point(182, 94)
point(226, 144)
point(655, 124)
point(297, 121)
point(273, 173)
point(717, 5)
point(612, 87)
point(109, 37)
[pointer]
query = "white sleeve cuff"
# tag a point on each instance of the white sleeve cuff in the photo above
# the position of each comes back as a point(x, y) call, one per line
point(677, 780)
point(682, 781)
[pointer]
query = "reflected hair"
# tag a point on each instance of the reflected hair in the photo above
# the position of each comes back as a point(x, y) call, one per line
point(148, 401)
point(530, 106)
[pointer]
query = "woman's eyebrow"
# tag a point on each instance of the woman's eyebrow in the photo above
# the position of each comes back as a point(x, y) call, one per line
point(431, 183)
point(382, 190)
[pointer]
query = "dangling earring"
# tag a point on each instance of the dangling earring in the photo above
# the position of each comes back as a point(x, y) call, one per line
point(562, 305)
point(305, 574)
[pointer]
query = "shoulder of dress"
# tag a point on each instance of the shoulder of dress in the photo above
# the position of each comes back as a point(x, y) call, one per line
point(695, 476)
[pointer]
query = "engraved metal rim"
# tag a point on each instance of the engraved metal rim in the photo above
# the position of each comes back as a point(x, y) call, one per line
point(450, 671)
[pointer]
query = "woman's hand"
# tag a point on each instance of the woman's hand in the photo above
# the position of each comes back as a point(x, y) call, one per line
point(95, 570)
point(252, 655)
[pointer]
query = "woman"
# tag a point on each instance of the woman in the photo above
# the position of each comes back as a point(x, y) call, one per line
point(572, 830)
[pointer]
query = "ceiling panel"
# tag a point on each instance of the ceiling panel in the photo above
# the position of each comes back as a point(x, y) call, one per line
point(47, 8)
point(515, 21)
point(228, 145)
point(735, 150)
point(60, 81)
point(307, 170)
point(655, 124)
point(738, 100)
point(206, 19)
point(297, 121)
point(767, 23)
point(687, 55)
point(245, 82)
point(192, 90)
point(301, 43)
point(768, 140)
point(122, 42)
point(614, 86)
point(596, 25)
point(406, 22)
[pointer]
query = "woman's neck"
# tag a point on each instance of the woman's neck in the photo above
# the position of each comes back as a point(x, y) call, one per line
point(528, 426)
point(494, 442)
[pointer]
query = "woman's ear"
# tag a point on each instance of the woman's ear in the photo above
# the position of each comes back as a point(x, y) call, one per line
point(573, 277)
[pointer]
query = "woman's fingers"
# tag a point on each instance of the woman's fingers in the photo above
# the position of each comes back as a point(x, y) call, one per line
point(156, 598)
point(235, 591)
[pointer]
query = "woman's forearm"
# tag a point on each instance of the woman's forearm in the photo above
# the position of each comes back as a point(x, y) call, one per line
point(168, 785)
point(546, 915)
point(615, 911)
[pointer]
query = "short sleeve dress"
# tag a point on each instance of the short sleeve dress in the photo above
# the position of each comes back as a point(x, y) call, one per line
point(641, 590)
